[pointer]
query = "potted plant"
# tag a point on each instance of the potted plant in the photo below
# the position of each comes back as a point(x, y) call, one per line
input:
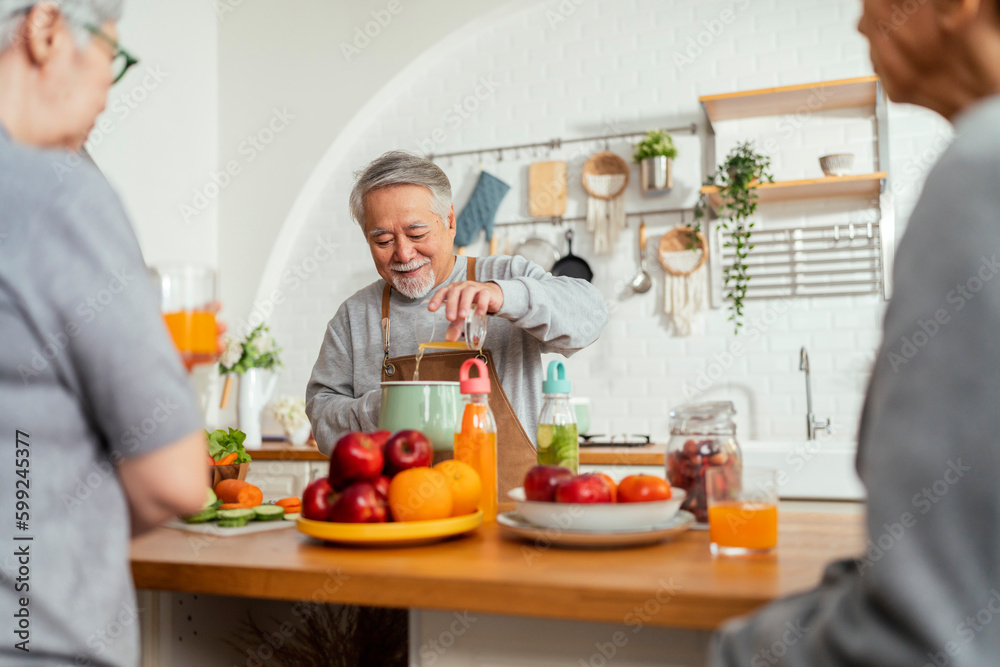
point(290, 412)
point(255, 359)
point(737, 179)
point(655, 155)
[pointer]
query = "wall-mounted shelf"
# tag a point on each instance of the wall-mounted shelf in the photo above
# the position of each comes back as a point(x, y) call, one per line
point(865, 93)
point(802, 98)
point(855, 185)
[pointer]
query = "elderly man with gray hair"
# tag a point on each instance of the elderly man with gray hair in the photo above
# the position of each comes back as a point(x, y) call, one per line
point(403, 205)
point(81, 375)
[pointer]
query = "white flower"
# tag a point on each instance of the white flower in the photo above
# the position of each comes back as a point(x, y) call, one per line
point(290, 412)
point(233, 353)
point(265, 344)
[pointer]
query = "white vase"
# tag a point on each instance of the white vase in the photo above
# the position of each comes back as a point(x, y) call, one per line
point(298, 436)
point(256, 387)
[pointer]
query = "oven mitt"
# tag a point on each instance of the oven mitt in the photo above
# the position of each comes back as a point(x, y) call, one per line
point(479, 212)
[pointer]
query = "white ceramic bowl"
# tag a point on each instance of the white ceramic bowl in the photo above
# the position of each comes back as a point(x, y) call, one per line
point(597, 516)
point(839, 164)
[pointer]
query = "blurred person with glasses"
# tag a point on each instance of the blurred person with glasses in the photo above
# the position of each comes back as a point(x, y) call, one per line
point(100, 431)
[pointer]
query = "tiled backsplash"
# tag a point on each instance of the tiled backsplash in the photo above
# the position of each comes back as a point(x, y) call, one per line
point(586, 67)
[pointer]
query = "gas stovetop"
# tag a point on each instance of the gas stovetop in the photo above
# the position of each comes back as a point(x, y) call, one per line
point(617, 440)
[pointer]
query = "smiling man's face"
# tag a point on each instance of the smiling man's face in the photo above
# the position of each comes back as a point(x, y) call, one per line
point(411, 245)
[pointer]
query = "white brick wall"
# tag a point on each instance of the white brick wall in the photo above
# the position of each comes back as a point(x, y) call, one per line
point(611, 64)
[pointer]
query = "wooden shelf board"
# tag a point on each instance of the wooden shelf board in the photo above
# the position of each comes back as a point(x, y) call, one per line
point(854, 185)
point(806, 97)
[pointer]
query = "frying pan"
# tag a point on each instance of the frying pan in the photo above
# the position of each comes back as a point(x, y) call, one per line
point(571, 265)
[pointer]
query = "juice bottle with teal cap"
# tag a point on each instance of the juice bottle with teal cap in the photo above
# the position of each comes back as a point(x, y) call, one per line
point(558, 444)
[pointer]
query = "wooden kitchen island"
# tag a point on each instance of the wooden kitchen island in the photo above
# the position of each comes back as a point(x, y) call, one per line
point(676, 584)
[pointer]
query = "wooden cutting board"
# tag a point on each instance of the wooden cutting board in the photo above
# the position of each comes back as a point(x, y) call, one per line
point(547, 189)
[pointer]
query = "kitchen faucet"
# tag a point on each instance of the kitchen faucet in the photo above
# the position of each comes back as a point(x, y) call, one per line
point(811, 424)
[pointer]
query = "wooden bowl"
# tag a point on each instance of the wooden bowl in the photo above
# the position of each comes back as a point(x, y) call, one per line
point(218, 473)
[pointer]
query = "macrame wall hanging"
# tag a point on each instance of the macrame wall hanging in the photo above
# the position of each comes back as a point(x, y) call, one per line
point(683, 257)
point(605, 177)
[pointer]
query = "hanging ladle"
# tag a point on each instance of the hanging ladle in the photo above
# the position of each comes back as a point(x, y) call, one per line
point(642, 282)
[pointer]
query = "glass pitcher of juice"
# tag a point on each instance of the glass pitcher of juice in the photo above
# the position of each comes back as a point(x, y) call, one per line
point(188, 303)
point(431, 331)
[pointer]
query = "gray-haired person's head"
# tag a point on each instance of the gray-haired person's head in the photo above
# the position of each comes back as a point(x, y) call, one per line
point(78, 14)
point(401, 168)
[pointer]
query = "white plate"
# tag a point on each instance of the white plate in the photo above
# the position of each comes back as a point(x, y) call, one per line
point(213, 528)
point(597, 516)
point(512, 523)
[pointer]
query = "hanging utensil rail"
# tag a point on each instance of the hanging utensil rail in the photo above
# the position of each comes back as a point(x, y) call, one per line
point(556, 144)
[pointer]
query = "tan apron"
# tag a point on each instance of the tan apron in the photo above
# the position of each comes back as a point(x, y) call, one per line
point(515, 453)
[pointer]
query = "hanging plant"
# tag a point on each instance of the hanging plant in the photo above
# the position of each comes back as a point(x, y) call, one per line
point(737, 179)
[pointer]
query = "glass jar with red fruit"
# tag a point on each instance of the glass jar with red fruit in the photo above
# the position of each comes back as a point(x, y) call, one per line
point(702, 436)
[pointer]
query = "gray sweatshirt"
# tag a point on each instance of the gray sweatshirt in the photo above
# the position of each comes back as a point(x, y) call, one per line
point(926, 591)
point(540, 313)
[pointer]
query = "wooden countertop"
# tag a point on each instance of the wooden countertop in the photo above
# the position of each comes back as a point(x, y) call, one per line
point(282, 451)
point(675, 583)
point(651, 455)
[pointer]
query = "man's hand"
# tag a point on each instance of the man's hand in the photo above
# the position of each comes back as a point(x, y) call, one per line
point(462, 298)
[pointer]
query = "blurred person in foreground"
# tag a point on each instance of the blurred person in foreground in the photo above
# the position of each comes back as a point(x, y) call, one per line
point(927, 589)
point(100, 432)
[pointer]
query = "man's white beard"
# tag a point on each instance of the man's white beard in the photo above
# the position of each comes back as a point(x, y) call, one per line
point(416, 287)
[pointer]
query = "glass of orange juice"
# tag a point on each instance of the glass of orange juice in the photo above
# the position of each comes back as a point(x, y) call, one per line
point(188, 302)
point(742, 510)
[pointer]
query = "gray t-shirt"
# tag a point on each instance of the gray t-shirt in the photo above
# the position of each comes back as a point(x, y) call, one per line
point(88, 377)
point(926, 591)
point(540, 313)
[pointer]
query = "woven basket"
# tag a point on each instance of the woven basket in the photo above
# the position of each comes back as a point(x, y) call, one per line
point(677, 239)
point(604, 164)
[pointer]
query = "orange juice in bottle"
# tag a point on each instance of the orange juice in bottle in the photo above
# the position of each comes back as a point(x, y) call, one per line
point(476, 434)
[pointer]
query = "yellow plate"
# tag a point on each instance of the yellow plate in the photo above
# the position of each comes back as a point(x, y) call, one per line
point(400, 533)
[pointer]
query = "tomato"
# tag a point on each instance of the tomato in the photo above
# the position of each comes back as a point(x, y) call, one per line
point(611, 486)
point(642, 489)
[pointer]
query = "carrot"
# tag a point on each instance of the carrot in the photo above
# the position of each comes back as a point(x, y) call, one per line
point(227, 459)
point(228, 489)
point(233, 506)
point(289, 502)
point(250, 496)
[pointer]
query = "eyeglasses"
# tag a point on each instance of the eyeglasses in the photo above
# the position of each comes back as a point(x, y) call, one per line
point(122, 60)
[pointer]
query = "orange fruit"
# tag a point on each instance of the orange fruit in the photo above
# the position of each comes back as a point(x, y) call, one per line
point(466, 487)
point(419, 494)
point(611, 485)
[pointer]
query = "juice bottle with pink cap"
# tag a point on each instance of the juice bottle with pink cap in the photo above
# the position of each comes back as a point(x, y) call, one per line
point(476, 433)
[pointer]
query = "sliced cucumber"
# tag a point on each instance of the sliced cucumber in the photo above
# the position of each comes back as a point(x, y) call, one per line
point(211, 500)
point(237, 514)
point(206, 514)
point(292, 517)
point(268, 512)
point(233, 523)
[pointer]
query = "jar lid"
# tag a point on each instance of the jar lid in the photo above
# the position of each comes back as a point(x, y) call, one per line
point(710, 417)
point(474, 385)
point(556, 382)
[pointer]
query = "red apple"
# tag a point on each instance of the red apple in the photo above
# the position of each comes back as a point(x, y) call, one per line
point(380, 438)
point(541, 481)
point(381, 485)
point(316, 500)
point(407, 449)
point(355, 458)
point(358, 503)
point(587, 488)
